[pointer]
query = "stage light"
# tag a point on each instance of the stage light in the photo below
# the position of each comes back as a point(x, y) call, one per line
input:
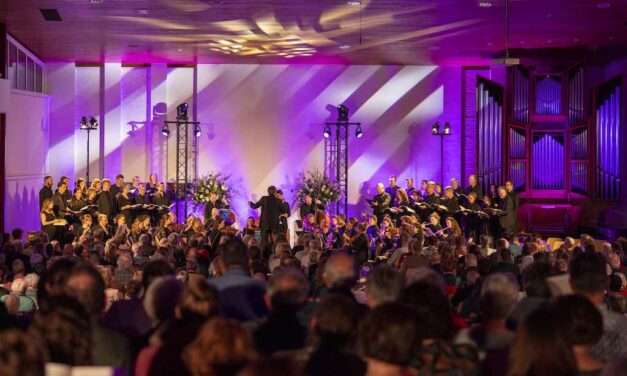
point(165, 130)
point(181, 111)
point(327, 132)
point(342, 113)
point(93, 123)
point(84, 122)
point(353, 2)
point(197, 130)
point(358, 132)
point(447, 128)
point(436, 128)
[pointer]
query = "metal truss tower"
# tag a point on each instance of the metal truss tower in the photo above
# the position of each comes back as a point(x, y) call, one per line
point(336, 162)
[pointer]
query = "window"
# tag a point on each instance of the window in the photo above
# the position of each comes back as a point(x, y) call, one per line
point(24, 70)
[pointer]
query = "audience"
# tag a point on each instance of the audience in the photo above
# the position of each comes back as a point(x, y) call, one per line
point(205, 301)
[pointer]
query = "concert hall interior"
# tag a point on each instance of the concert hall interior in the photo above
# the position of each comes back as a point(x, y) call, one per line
point(329, 106)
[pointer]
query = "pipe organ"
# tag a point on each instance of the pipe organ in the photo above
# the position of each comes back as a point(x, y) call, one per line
point(547, 161)
point(608, 124)
point(548, 95)
point(489, 133)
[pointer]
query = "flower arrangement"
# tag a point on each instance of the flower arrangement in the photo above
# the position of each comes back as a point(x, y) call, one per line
point(318, 186)
point(212, 183)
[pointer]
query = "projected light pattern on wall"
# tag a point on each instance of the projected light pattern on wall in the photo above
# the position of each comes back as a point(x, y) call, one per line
point(489, 133)
point(608, 118)
point(521, 95)
point(548, 95)
point(547, 161)
point(576, 90)
point(263, 123)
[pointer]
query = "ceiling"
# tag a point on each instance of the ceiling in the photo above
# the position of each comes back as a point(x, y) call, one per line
point(318, 31)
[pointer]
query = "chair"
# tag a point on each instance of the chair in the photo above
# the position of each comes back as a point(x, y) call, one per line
point(551, 241)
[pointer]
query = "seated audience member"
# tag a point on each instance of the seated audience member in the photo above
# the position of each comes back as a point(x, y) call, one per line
point(272, 366)
point(339, 275)
point(582, 326)
point(498, 298)
point(222, 347)
point(388, 339)
point(383, 284)
point(21, 354)
point(197, 304)
point(537, 291)
point(109, 348)
point(241, 296)
point(588, 277)
point(282, 330)
point(64, 329)
point(506, 261)
point(436, 329)
point(332, 338)
point(18, 289)
point(541, 349)
point(129, 316)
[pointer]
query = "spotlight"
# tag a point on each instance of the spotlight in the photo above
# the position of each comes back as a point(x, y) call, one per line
point(342, 113)
point(447, 128)
point(436, 128)
point(93, 123)
point(165, 130)
point(84, 122)
point(353, 2)
point(327, 132)
point(197, 130)
point(181, 111)
point(358, 132)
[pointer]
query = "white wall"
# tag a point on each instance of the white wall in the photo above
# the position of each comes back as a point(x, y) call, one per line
point(27, 131)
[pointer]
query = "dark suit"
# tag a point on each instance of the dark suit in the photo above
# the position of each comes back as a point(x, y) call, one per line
point(514, 196)
point(284, 210)
point(305, 209)
point(383, 201)
point(392, 192)
point(477, 190)
point(452, 205)
point(60, 205)
point(209, 206)
point(115, 190)
point(507, 216)
point(105, 204)
point(269, 218)
point(44, 193)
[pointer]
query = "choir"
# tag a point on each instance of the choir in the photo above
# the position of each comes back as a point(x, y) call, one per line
point(123, 211)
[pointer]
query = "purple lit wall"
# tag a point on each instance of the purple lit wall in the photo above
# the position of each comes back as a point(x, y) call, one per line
point(262, 123)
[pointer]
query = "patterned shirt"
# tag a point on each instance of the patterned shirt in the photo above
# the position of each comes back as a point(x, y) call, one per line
point(613, 343)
